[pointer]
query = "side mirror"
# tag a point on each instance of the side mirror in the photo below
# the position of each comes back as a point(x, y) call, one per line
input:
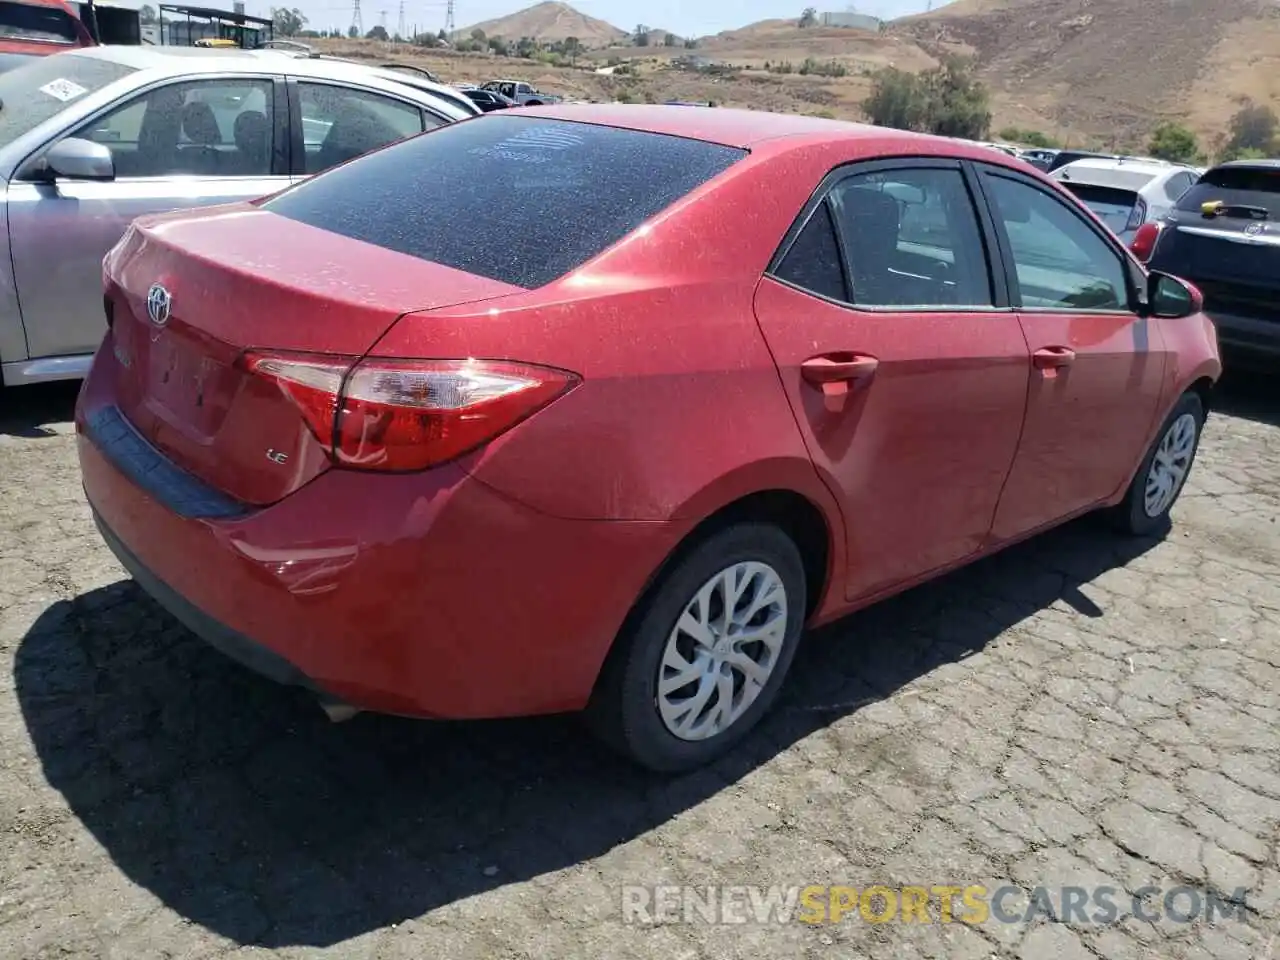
point(78, 159)
point(1171, 297)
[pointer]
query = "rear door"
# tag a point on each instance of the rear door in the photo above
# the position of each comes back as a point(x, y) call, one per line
point(175, 145)
point(1097, 366)
point(905, 367)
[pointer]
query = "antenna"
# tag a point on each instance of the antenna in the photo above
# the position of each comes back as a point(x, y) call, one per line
point(400, 25)
point(357, 21)
point(449, 25)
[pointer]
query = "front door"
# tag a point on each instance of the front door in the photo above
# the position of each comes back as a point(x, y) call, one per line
point(180, 145)
point(906, 370)
point(1097, 367)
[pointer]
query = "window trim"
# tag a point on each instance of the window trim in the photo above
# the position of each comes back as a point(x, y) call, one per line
point(997, 274)
point(1076, 209)
point(297, 143)
point(279, 168)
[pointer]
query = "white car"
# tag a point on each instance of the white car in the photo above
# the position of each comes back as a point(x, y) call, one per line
point(1125, 193)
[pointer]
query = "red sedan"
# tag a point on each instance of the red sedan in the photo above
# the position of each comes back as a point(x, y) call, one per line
point(596, 408)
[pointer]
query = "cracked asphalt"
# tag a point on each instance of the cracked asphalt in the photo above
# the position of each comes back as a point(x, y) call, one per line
point(1080, 711)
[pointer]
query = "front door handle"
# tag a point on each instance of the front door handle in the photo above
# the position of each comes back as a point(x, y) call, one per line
point(837, 369)
point(1053, 358)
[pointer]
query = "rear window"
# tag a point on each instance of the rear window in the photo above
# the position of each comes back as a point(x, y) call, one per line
point(1111, 205)
point(43, 87)
point(1249, 186)
point(22, 21)
point(521, 200)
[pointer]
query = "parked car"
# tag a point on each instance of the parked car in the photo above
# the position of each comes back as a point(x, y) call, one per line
point(1062, 157)
point(37, 28)
point(91, 139)
point(521, 93)
point(1126, 193)
point(486, 100)
point(1224, 235)
point(1039, 157)
point(627, 477)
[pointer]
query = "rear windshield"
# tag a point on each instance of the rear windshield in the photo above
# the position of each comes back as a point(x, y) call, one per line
point(45, 86)
point(1249, 186)
point(1111, 205)
point(522, 200)
point(28, 22)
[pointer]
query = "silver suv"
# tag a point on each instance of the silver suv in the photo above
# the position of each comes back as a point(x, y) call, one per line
point(91, 139)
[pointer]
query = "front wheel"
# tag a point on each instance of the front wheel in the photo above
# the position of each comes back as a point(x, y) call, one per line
point(1163, 473)
point(706, 652)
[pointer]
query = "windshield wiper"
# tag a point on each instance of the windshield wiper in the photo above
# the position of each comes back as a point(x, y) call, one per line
point(1242, 211)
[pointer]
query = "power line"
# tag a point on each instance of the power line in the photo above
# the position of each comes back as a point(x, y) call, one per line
point(400, 24)
point(357, 21)
point(449, 25)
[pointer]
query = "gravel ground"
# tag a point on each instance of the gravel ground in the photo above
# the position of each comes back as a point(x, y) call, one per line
point(1080, 711)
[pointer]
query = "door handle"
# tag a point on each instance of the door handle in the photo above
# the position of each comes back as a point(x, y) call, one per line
point(1053, 358)
point(837, 369)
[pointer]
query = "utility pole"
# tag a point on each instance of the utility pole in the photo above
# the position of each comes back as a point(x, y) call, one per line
point(449, 25)
point(400, 25)
point(357, 21)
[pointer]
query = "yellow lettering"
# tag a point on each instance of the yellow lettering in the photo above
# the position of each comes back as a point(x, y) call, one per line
point(843, 900)
point(975, 900)
point(868, 907)
point(945, 895)
point(813, 906)
point(915, 905)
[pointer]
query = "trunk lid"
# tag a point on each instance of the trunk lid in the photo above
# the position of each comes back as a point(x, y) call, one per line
point(238, 278)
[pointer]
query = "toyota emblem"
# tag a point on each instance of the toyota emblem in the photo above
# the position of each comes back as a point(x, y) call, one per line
point(159, 303)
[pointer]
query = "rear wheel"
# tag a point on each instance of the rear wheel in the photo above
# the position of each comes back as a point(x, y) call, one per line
point(1163, 473)
point(704, 655)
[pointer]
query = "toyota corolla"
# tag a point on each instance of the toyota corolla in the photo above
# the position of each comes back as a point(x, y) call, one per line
point(597, 408)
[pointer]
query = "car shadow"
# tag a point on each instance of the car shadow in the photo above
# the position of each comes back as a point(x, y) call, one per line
point(38, 410)
point(232, 800)
point(1249, 394)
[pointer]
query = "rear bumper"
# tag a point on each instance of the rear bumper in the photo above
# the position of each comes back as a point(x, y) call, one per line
point(424, 595)
point(1246, 335)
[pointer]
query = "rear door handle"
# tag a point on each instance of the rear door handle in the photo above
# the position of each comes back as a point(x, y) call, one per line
point(1053, 358)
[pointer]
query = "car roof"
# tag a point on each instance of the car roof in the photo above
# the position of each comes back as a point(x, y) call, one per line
point(1115, 172)
point(180, 61)
point(749, 128)
point(1248, 165)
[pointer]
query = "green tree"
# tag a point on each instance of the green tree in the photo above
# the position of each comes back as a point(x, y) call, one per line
point(948, 100)
point(287, 22)
point(1173, 141)
point(526, 48)
point(572, 47)
point(809, 18)
point(641, 35)
point(670, 40)
point(1253, 127)
point(1030, 138)
point(377, 32)
point(499, 46)
point(352, 32)
point(147, 13)
point(478, 36)
point(895, 100)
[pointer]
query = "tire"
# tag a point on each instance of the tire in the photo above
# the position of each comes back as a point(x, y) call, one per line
point(626, 709)
point(1140, 516)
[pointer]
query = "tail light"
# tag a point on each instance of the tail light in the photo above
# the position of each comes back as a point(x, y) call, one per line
point(401, 415)
point(1137, 216)
point(1143, 243)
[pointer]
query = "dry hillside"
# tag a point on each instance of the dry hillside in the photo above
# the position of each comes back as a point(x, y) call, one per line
point(774, 40)
point(1112, 69)
point(548, 22)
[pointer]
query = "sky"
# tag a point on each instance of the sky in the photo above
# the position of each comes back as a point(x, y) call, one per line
point(684, 17)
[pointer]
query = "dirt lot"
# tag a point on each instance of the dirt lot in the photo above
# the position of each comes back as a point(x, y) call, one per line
point(1081, 711)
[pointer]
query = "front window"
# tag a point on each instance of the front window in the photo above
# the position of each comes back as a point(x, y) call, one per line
point(340, 123)
point(43, 87)
point(516, 199)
